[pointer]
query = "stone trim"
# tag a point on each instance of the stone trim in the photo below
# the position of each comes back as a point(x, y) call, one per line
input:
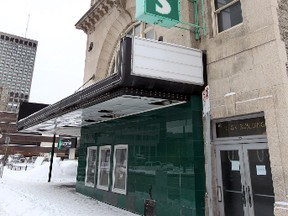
point(96, 13)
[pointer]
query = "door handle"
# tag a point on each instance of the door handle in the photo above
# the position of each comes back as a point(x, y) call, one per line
point(243, 196)
point(249, 196)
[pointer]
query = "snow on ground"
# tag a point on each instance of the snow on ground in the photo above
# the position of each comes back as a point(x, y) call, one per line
point(28, 193)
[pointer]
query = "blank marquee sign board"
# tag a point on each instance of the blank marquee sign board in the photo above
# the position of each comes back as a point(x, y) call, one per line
point(159, 12)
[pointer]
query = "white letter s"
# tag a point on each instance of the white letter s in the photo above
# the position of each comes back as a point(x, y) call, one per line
point(165, 7)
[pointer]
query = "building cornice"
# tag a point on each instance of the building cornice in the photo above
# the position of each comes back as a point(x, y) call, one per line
point(96, 13)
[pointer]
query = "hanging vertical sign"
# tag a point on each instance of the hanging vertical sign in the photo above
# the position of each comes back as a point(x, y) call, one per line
point(158, 12)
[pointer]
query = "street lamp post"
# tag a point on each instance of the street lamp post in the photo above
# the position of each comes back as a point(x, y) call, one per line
point(51, 160)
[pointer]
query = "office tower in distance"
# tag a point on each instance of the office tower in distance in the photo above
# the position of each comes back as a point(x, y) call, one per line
point(3, 98)
point(4, 93)
point(17, 58)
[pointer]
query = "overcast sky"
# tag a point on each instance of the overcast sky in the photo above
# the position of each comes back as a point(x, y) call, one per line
point(59, 65)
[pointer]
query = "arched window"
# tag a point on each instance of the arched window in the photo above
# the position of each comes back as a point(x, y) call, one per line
point(138, 29)
point(141, 29)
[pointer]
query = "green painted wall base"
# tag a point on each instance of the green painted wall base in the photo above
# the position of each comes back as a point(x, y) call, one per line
point(165, 156)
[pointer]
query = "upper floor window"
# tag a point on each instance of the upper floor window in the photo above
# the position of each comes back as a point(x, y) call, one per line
point(228, 13)
point(135, 30)
point(141, 29)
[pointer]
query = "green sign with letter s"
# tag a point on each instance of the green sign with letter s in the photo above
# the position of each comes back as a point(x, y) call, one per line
point(159, 12)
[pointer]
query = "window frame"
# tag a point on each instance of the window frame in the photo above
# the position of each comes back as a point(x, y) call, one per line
point(118, 190)
point(148, 28)
point(87, 164)
point(102, 187)
point(113, 67)
point(219, 10)
point(144, 28)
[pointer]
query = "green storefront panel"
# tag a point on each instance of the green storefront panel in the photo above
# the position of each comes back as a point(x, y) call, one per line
point(165, 159)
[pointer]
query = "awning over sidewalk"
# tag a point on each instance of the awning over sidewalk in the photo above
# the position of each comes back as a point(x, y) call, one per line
point(150, 75)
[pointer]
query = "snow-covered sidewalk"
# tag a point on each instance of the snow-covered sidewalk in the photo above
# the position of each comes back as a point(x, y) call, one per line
point(27, 193)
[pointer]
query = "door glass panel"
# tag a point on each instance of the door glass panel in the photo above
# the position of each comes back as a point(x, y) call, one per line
point(91, 166)
point(120, 169)
point(231, 179)
point(261, 181)
point(104, 168)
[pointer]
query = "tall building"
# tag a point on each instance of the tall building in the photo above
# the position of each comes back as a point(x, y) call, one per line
point(17, 58)
point(145, 145)
point(4, 94)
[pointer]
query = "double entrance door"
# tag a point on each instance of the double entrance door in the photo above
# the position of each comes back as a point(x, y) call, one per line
point(244, 181)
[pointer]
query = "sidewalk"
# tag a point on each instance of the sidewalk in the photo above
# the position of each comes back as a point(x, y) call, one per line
point(21, 196)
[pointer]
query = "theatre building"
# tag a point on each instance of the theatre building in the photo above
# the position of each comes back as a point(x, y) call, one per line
point(149, 143)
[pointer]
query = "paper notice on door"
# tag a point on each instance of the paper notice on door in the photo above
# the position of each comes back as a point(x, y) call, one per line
point(261, 170)
point(235, 165)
